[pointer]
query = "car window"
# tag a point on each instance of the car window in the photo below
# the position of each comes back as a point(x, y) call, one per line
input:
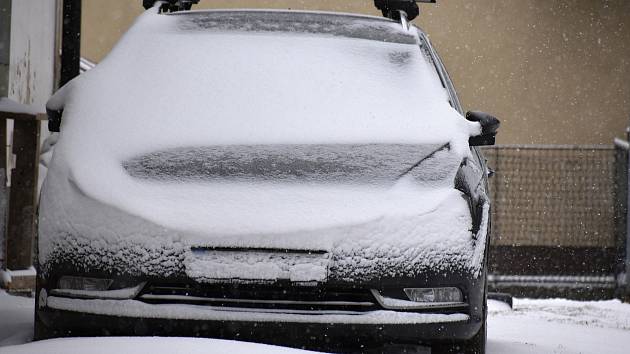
point(442, 73)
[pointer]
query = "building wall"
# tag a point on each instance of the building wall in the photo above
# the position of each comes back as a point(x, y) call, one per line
point(27, 48)
point(554, 72)
point(31, 70)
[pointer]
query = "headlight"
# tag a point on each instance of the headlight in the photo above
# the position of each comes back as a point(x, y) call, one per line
point(422, 298)
point(94, 288)
point(82, 283)
point(450, 294)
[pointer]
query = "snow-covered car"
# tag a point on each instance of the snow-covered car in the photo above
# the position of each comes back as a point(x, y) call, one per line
point(296, 178)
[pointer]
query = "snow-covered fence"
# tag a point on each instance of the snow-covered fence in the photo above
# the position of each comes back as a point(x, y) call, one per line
point(558, 213)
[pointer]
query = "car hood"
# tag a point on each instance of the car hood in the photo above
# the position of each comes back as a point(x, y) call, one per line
point(318, 233)
point(252, 191)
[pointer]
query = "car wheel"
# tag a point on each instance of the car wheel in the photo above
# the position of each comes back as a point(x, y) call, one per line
point(40, 330)
point(475, 345)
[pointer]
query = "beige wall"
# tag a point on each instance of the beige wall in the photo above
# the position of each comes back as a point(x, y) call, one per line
point(554, 72)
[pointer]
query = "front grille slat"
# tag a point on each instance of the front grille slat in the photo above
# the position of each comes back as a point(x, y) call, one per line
point(261, 297)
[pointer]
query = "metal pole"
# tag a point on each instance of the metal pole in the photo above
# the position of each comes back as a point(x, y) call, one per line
point(23, 195)
point(5, 58)
point(5, 44)
point(627, 253)
point(70, 41)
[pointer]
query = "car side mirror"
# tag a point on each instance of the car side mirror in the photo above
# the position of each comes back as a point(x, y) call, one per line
point(489, 127)
point(54, 119)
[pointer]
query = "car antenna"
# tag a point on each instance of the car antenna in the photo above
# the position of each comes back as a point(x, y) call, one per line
point(170, 5)
point(400, 10)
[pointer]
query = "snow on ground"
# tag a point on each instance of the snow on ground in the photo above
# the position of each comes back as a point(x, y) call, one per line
point(142, 345)
point(533, 326)
point(559, 326)
point(16, 319)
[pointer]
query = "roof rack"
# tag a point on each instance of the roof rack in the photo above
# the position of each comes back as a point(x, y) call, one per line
point(400, 10)
point(170, 5)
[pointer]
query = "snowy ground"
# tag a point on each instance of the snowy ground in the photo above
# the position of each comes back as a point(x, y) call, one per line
point(533, 326)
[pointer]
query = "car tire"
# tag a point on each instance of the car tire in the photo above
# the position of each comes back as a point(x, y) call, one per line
point(41, 331)
point(475, 345)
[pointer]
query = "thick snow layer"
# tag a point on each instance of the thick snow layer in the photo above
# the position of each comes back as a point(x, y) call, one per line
point(533, 327)
point(223, 210)
point(373, 92)
point(208, 94)
point(155, 345)
point(414, 239)
point(223, 87)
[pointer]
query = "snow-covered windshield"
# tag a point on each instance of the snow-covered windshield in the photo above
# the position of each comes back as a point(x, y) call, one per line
point(199, 80)
point(227, 86)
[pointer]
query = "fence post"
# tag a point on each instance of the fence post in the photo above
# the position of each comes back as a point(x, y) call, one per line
point(23, 195)
point(20, 218)
point(620, 213)
point(626, 289)
point(4, 193)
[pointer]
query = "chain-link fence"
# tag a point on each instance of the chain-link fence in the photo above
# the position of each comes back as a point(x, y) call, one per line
point(553, 195)
point(558, 216)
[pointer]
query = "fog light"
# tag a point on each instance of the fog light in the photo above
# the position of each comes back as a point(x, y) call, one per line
point(82, 283)
point(450, 294)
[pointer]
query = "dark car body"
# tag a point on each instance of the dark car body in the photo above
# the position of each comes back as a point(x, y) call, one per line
point(350, 294)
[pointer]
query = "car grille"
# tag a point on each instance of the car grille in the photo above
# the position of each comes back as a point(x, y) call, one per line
point(289, 298)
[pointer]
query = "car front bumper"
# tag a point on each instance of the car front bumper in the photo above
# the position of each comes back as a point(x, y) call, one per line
point(337, 329)
point(332, 331)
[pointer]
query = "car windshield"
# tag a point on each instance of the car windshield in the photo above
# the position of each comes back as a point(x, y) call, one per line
point(378, 84)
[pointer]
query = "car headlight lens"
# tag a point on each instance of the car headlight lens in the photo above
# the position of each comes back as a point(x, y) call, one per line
point(83, 283)
point(421, 298)
point(450, 294)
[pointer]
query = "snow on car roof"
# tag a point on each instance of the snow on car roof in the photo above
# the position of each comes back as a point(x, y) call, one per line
point(338, 25)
